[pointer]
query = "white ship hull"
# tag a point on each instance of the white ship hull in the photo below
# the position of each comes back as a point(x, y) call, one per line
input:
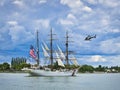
point(51, 73)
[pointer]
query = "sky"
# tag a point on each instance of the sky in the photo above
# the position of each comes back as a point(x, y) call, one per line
point(20, 19)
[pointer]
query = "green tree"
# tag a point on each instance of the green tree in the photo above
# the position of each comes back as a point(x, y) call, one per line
point(100, 68)
point(19, 63)
point(1, 67)
point(6, 66)
point(86, 68)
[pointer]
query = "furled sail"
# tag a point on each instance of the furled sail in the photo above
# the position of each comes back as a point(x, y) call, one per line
point(74, 60)
point(46, 47)
point(45, 52)
point(60, 63)
point(62, 56)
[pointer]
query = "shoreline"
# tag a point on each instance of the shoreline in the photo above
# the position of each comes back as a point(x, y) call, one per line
point(77, 73)
point(13, 71)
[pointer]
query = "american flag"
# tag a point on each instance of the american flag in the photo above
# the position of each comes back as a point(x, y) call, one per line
point(32, 52)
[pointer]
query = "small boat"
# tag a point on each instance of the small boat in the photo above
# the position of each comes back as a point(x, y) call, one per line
point(48, 54)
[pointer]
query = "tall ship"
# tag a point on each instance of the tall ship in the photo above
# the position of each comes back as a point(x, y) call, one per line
point(56, 61)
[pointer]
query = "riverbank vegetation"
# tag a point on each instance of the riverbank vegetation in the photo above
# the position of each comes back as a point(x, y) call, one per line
point(17, 64)
point(100, 68)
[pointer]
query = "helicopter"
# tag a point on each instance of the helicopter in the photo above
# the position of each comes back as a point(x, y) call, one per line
point(89, 37)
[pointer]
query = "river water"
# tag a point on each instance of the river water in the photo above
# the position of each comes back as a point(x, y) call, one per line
point(17, 81)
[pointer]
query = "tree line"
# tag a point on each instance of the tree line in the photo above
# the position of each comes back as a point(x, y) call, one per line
point(100, 68)
point(19, 63)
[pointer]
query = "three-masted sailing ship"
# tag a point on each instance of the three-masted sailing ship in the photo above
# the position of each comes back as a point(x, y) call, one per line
point(53, 57)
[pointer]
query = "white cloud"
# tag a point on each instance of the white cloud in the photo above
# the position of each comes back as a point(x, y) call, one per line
point(110, 46)
point(70, 20)
point(110, 3)
point(18, 33)
point(71, 16)
point(65, 22)
point(87, 9)
point(18, 2)
point(42, 23)
point(105, 22)
point(92, 1)
point(72, 4)
point(103, 60)
point(115, 31)
point(97, 58)
point(42, 1)
point(12, 23)
point(74, 16)
point(76, 6)
point(2, 2)
point(114, 60)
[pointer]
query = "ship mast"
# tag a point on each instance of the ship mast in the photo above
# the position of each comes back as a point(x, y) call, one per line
point(51, 48)
point(67, 62)
point(37, 51)
point(67, 52)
